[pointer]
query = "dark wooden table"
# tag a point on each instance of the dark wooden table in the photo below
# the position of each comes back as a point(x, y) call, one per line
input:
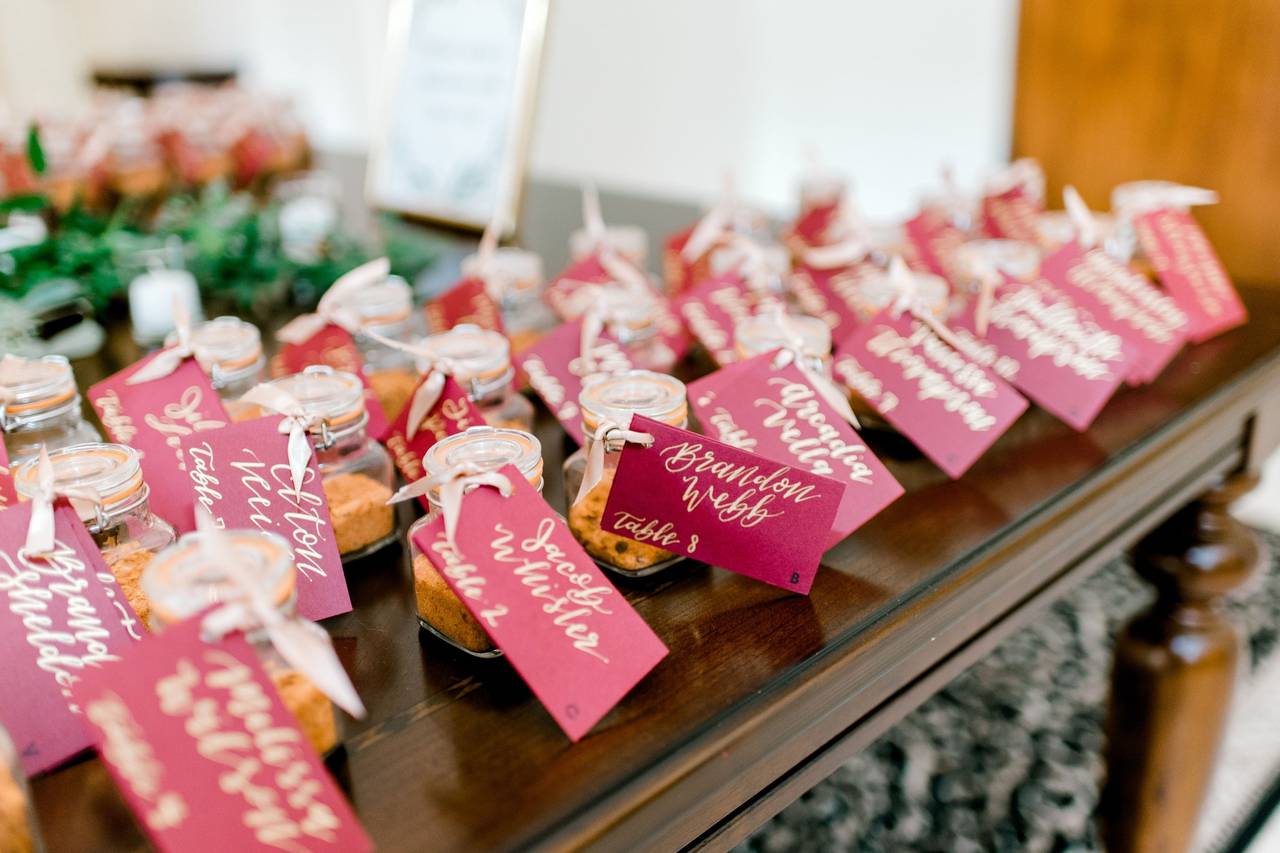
point(764, 693)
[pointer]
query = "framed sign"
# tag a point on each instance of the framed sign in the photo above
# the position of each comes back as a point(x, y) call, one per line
point(458, 103)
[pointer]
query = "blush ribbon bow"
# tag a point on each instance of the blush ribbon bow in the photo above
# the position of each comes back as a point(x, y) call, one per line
point(453, 484)
point(429, 390)
point(169, 359)
point(792, 352)
point(332, 309)
point(40, 530)
point(303, 644)
point(297, 424)
point(854, 243)
point(709, 228)
point(907, 300)
point(609, 437)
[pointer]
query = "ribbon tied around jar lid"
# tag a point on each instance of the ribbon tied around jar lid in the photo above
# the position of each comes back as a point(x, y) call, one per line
point(760, 268)
point(171, 358)
point(609, 437)
point(1138, 197)
point(855, 242)
point(332, 308)
point(792, 351)
point(297, 424)
point(716, 221)
point(908, 300)
point(429, 390)
point(303, 644)
point(452, 485)
point(40, 530)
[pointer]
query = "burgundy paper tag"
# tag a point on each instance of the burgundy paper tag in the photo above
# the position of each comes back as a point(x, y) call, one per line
point(1190, 269)
point(554, 369)
point(241, 475)
point(1123, 301)
point(950, 407)
point(777, 414)
point(714, 502)
point(468, 301)
point(589, 270)
point(453, 413)
point(60, 619)
point(155, 417)
point(569, 633)
point(711, 312)
point(831, 295)
point(206, 754)
point(936, 240)
point(8, 494)
point(1012, 215)
point(810, 228)
point(334, 346)
point(1066, 362)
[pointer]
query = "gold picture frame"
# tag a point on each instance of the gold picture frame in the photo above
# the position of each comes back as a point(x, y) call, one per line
point(459, 95)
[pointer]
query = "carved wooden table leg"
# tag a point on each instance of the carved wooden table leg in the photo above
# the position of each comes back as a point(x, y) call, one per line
point(1174, 674)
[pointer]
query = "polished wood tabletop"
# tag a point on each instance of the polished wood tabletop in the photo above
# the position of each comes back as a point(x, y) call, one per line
point(764, 692)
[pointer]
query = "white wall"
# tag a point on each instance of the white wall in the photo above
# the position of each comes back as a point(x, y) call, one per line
point(657, 96)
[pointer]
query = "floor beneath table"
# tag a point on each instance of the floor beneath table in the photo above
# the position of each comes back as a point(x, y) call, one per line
point(1008, 756)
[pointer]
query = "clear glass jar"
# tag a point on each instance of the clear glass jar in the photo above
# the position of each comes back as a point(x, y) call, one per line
point(45, 407)
point(386, 308)
point(632, 317)
point(230, 351)
point(440, 611)
point(631, 242)
point(1012, 257)
point(876, 290)
point(769, 331)
point(525, 316)
point(122, 524)
point(183, 580)
point(19, 831)
point(481, 363)
point(356, 472)
point(616, 397)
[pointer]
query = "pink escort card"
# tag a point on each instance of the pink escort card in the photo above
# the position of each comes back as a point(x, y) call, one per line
point(554, 368)
point(1189, 269)
point(8, 494)
point(468, 301)
point(453, 413)
point(777, 414)
point(155, 417)
point(711, 311)
point(241, 476)
point(714, 502)
point(1123, 301)
point(1011, 215)
point(831, 295)
point(936, 242)
point(950, 407)
point(569, 633)
point(61, 618)
point(1066, 362)
point(335, 347)
point(205, 753)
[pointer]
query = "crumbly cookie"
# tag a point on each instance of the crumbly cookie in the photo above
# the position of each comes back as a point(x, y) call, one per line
point(618, 551)
point(358, 508)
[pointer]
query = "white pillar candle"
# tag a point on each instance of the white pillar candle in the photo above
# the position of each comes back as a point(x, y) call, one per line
point(152, 296)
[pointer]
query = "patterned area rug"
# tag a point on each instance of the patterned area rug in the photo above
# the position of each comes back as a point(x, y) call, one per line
point(1009, 756)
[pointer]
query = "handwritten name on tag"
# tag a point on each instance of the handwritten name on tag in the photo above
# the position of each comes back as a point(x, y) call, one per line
point(776, 412)
point(205, 753)
point(453, 413)
point(1124, 301)
point(554, 368)
point(155, 417)
point(950, 407)
point(712, 311)
point(1190, 269)
point(831, 295)
point(332, 346)
point(241, 476)
point(61, 617)
point(1012, 215)
point(714, 502)
point(569, 633)
point(1067, 363)
point(936, 242)
point(468, 301)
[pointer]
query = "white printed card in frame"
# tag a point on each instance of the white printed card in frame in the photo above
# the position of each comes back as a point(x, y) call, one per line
point(458, 104)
